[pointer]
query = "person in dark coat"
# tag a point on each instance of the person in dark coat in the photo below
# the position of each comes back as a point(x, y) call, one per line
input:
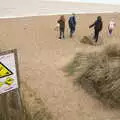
point(72, 24)
point(61, 23)
point(98, 25)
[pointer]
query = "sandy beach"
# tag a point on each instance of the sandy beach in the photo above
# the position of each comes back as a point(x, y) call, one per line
point(42, 56)
point(21, 8)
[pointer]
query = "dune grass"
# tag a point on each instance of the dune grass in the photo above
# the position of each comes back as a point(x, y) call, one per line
point(34, 107)
point(99, 73)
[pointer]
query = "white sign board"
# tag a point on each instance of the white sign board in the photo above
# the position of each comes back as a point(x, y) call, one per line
point(8, 71)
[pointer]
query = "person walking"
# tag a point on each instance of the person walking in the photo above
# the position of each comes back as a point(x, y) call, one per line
point(98, 25)
point(111, 26)
point(61, 23)
point(72, 24)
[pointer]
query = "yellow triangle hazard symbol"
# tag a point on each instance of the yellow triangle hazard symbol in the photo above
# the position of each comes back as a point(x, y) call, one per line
point(4, 71)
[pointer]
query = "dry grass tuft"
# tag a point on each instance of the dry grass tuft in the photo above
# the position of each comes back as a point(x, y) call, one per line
point(99, 73)
point(87, 40)
point(34, 107)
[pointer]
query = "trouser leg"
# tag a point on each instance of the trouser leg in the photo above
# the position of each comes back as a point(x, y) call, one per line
point(63, 33)
point(110, 31)
point(73, 29)
point(70, 31)
point(60, 34)
point(96, 35)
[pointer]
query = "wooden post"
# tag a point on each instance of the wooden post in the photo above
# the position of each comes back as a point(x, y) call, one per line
point(4, 107)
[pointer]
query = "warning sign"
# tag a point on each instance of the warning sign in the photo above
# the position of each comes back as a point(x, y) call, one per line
point(8, 71)
point(4, 71)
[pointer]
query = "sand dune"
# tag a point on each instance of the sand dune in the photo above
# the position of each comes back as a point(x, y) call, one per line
point(41, 57)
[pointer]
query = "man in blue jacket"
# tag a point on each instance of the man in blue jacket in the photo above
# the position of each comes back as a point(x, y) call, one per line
point(72, 24)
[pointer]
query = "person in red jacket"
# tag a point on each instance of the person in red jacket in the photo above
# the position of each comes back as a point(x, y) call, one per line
point(98, 25)
point(61, 22)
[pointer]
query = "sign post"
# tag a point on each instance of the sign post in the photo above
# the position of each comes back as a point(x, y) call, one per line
point(10, 99)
